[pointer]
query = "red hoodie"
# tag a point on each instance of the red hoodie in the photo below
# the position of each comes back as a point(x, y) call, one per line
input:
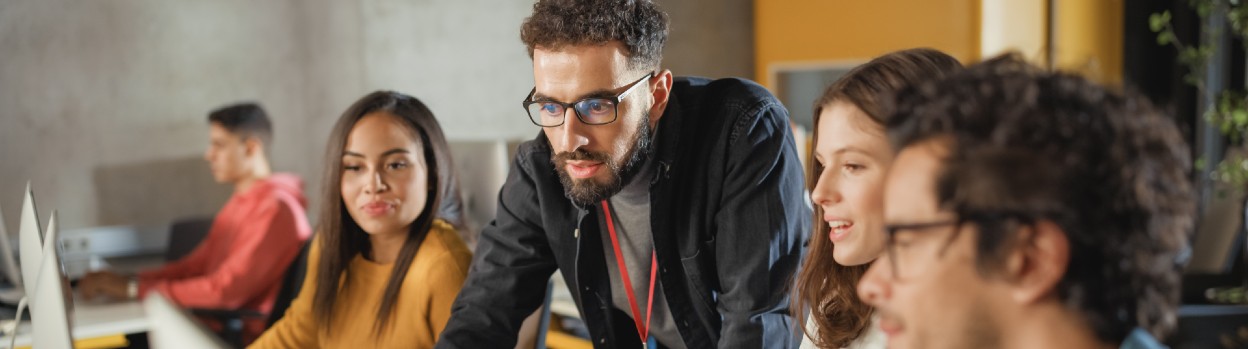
point(240, 263)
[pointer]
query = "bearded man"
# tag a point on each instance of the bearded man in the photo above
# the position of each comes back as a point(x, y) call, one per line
point(674, 207)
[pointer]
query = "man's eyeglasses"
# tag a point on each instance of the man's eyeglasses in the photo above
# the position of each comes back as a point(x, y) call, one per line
point(899, 256)
point(591, 111)
point(894, 248)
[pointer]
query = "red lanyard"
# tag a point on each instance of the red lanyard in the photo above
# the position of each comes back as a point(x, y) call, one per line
point(642, 329)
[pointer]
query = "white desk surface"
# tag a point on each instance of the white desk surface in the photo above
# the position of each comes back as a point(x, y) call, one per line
point(95, 319)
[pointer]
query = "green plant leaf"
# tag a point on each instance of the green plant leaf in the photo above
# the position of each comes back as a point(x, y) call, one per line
point(1193, 79)
point(1157, 21)
point(1166, 37)
point(1202, 7)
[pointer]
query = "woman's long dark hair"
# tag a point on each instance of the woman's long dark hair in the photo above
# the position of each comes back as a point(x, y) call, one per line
point(823, 285)
point(342, 238)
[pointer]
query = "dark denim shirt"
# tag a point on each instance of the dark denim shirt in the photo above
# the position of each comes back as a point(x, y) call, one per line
point(727, 214)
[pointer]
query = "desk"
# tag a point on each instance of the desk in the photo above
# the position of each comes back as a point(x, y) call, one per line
point(95, 319)
point(134, 264)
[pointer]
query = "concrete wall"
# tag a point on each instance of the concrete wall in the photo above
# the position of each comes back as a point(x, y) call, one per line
point(103, 103)
point(713, 38)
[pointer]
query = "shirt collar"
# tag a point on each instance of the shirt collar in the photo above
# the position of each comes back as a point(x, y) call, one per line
point(1141, 339)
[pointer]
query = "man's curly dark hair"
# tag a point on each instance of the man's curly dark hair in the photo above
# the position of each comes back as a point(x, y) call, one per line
point(1109, 169)
point(639, 24)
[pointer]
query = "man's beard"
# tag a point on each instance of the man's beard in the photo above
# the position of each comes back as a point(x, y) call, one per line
point(585, 192)
point(978, 330)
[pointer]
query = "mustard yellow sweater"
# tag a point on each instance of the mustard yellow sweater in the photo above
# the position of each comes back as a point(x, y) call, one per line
point(421, 310)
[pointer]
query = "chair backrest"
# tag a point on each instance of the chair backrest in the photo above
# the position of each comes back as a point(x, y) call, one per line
point(481, 168)
point(544, 324)
point(292, 282)
point(185, 235)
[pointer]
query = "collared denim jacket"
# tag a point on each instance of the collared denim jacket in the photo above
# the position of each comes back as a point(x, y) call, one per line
point(728, 216)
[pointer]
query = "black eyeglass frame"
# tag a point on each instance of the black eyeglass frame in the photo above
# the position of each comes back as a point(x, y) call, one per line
point(614, 101)
point(980, 219)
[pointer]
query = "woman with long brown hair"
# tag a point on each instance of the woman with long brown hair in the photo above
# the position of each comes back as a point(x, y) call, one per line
point(385, 266)
point(848, 162)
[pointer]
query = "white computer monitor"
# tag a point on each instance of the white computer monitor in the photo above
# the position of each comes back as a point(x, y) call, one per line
point(49, 313)
point(172, 327)
point(30, 241)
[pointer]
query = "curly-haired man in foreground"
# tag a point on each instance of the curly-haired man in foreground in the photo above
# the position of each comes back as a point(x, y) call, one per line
point(1030, 209)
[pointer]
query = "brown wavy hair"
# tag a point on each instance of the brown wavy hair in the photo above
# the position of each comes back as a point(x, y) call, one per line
point(825, 288)
point(342, 238)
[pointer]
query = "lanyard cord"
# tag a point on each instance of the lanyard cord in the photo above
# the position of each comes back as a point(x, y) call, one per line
point(643, 329)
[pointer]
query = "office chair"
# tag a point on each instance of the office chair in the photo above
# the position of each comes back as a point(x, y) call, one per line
point(232, 320)
point(186, 234)
point(544, 320)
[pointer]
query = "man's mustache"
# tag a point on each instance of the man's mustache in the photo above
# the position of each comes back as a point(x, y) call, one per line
point(580, 155)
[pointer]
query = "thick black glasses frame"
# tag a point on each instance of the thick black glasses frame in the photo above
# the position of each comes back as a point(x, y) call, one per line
point(615, 102)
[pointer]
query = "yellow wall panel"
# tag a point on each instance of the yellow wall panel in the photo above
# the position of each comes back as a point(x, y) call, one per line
point(1088, 38)
point(801, 31)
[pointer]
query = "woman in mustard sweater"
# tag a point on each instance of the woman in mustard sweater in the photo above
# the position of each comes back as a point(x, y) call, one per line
point(385, 266)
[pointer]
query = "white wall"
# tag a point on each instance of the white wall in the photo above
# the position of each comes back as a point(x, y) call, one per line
point(103, 103)
point(1014, 25)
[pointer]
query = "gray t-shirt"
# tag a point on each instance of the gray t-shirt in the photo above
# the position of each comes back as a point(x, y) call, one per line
point(630, 210)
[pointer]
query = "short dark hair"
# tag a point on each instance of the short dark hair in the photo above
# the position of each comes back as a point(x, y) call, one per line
point(639, 24)
point(247, 120)
point(1028, 145)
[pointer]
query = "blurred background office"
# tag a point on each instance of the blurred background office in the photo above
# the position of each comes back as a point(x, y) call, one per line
point(103, 103)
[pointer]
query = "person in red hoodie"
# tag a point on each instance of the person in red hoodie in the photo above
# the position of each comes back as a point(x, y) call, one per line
point(254, 238)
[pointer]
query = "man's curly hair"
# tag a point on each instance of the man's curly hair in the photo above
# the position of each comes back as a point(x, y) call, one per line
point(1109, 169)
point(638, 24)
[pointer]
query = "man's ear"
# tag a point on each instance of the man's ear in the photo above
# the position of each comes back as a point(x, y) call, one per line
point(661, 92)
point(1039, 260)
point(252, 146)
